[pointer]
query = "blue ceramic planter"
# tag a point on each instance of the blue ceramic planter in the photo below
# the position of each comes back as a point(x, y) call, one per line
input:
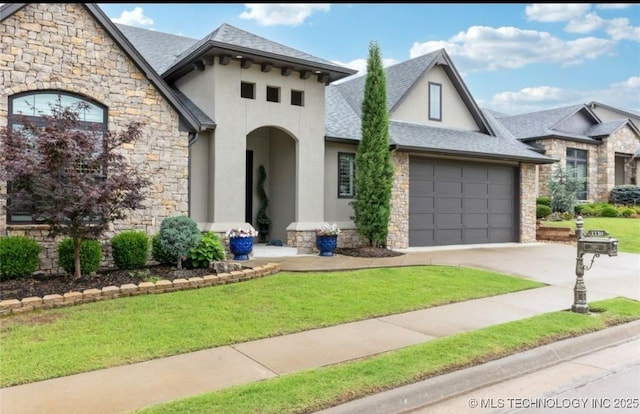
point(326, 244)
point(241, 247)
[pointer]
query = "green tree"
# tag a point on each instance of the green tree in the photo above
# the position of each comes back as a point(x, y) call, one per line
point(374, 172)
point(563, 187)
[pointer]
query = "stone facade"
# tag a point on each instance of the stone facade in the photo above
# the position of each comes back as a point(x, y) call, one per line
point(601, 161)
point(61, 47)
point(527, 203)
point(398, 236)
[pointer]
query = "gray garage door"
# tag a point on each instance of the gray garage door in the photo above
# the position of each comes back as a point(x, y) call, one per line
point(455, 202)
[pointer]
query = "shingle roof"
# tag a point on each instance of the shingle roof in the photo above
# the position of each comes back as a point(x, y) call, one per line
point(159, 49)
point(606, 128)
point(537, 124)
point(233, 36)
point(428, 138)
point(202, 118)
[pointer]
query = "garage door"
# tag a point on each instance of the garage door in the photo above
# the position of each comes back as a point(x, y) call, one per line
point(453, 202)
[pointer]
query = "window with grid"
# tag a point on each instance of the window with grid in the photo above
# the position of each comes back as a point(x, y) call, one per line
point(577, 165)
point(346, 174)
point(35, 107)
point(435, 101)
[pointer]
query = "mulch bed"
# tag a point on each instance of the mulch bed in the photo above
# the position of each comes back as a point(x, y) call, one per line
point(42, 285)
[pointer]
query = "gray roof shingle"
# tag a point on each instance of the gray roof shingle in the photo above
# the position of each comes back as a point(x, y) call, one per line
point(606, 128)
point(537, 124)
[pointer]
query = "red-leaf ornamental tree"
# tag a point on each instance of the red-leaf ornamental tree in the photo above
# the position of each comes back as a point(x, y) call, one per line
point(69, 175)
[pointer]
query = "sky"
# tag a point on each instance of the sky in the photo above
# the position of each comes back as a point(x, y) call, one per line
point(514, 58)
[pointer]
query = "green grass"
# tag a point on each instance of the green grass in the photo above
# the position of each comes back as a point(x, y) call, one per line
point(58, 342)
point(625, 230)
point(313, 390)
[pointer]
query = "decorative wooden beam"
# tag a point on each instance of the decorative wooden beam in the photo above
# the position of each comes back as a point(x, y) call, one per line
point(225, 59)
point(198, 65)
point(266, 67)
point(208, 60)
point(245, 63)
point(304, 74)
point(286, 71)
point(323, 78)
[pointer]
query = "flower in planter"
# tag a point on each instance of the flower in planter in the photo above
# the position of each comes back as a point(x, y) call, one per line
point(241, 232)
point(327, 229)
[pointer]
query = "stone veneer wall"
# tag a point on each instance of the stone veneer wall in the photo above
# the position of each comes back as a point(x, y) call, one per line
point(60, 47)
point(623, 141)
point(398, 237)
point(527, 203)
point(305, 241)
point(557, 149)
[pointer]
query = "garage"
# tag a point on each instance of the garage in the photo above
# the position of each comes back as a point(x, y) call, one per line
point(460, 202)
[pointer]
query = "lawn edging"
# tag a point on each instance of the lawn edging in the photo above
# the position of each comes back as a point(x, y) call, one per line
point(56, 300)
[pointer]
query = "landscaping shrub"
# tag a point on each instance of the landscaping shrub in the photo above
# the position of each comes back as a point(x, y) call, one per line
point(130, 249)
point(90, 255)
point(626, 195)
point(158, 253)
point(627, 212)
point(178, 235)
point(587, 211)
point(609, 211)
point(208, 249)
point(18, 256)
point(542, 211)
point(545, 201)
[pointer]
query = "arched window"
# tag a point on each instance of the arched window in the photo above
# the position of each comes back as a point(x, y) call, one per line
point(36, 106)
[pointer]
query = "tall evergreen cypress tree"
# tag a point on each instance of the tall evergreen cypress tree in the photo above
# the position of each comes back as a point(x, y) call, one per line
point(374, 172)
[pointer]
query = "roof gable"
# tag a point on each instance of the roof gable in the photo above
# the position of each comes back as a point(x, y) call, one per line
point(402, 77)
point(94, 10)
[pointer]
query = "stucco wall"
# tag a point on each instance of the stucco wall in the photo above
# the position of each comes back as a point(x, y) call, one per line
point(335, 209)
point(60, 47)
point(414, 107)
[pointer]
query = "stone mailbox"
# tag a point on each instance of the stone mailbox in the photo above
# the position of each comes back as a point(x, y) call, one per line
point(596, 242)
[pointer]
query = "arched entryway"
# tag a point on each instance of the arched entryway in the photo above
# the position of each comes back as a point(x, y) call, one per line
point(275, 149)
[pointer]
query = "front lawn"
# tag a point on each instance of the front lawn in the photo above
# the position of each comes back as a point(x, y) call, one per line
point(625, 230)
point(53, 343)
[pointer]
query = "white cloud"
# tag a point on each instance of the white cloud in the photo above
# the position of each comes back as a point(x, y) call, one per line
point(585, 24)
point(361, 64)
point(135, 17)
point(615, 6)
point(622, 94)
point(488, 48)
point(555, 12)
point(281, 14)
point(619, 29)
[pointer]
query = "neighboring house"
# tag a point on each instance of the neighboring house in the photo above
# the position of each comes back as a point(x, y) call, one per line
point(218, 107)
point(599, 143)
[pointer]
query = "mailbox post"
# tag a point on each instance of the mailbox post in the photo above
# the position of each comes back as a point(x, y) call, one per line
point(596, 242)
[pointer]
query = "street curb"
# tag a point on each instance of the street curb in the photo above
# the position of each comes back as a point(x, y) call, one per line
point(433, 390)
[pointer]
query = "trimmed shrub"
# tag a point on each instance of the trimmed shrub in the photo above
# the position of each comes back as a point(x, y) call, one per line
point(208, 249)
point(18, 257)
point(542, 211)
point(626, 195)
point(90, 255)
point(178, 235)
point(609, 211)
point(130, 249)
point(158, 254)
point(587, 211)
point(545, 201)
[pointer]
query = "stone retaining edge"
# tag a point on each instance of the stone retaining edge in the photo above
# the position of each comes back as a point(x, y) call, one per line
point(12, 306)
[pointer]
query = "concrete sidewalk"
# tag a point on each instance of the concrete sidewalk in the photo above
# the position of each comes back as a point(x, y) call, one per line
point(134, 386)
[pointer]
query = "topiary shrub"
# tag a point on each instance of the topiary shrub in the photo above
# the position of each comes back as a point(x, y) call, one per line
point(545, 201)
point(130, 249)
point(18, 257)
point(609, 211)
point(626, 195)
point(542, 211)
point(208, 249)
point(90, 255)
point(178, 235)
